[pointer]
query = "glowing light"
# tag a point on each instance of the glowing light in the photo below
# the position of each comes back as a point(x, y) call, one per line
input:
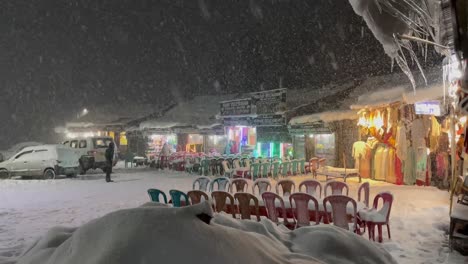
point(463, 119)
point(272, 147)
point(259, 149)
point(378, 121)
point(281, 150)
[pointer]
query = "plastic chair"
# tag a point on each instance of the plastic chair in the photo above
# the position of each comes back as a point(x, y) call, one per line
point(203, 183)
point(339, 213)
point(273, 211)
point(263, 185)
point(247, 163)
point(241, 185)
point(154, 195)
point(336, 187)
point(265, 169)
point(285, 168)
point(254, 170)
point(300, 208)
point(196, 195)
point(313, 166)
point(223, 184)
point(245, 211)
point(219, 198)
point(311, 187)
point(176, 196)
point(288, 187)
point(294, 165)
point(204, 167)
point(378, 218)
point(275, 169)
point(236, 164)
point(302, 166)
point(364, 187)
point(226, 169)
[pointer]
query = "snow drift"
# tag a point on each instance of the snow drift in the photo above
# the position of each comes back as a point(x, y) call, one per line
point(155, 233)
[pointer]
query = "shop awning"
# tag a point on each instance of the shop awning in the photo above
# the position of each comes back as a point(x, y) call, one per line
point(329, 116)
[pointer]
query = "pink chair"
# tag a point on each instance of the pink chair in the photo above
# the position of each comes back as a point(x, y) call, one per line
point(311, 187)
point(378, 218)
point(364, 187)
point(263, 185)
point(220, 198)
point(336, 187)
point(339, 213)
point(288, 187)
point(195, 196)
point(273, 211)
point(300, 208)
point(240, 185)
point(245, 211)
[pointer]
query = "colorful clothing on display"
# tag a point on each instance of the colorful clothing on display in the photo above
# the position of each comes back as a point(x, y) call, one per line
point(410, 170)
point(421, 163)
point(435, 134)
point(401, 142)
point(398, 171)
point(391, 176)
point(359, 152)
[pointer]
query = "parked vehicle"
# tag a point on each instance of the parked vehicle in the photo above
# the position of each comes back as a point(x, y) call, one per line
point(8, 153)
point(46, 161)
point(92, 152)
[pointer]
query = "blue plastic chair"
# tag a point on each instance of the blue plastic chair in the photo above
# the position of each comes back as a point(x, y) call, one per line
point(203, 183)
point(154, 195)
point(176, 195)
point(223, 184)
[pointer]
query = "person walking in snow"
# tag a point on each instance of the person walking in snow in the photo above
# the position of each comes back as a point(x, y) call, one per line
point(109, 161)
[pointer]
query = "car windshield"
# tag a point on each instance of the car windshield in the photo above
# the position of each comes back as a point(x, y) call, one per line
point(101, 142)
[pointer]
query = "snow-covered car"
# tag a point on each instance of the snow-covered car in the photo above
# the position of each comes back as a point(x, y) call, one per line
point(92, 152)
point(8, 153)
point(45, 161)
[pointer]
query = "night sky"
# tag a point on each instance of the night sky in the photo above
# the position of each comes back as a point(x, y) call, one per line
point(58, 57)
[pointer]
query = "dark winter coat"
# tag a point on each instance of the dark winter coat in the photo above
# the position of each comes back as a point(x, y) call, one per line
point(110, 152)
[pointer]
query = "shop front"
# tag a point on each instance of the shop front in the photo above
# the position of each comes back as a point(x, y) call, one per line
point(156, 141)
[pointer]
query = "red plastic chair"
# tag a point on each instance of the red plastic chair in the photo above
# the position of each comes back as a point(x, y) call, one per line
point(245, 211)
point(339, 213)
point(196, 195)
point(273, 211)
point(240, 185)
point(364, 187)
point(313, 166)
point(263, 185)
point(378, 218)
point(220, 205)
point(300, 208)
point(288, 187)
point(311, 187)
point(336, 187)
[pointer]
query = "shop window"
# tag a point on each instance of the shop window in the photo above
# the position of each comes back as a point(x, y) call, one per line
point(74, 143)
point(82, 144)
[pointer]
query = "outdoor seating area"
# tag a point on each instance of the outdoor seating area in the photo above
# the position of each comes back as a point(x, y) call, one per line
point(311, 202)
point(237, 166)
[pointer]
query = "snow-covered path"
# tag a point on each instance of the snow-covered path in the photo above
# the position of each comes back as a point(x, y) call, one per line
point(28, 208)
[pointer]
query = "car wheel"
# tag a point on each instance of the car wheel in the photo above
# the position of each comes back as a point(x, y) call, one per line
point(49, 174)
point(4, 174)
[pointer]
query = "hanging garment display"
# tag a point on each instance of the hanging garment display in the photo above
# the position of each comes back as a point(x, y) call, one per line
point(391, 177)
point(398, 171)
point(365, 163)
point(410, 170)
point(359, 152)
point(421, 164)
point(401, 142)
point(419, 132)
point(380, 161)
point(435, 134)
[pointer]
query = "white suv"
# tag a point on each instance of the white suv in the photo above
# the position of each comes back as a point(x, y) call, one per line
point(92, 152)
point(44, 161)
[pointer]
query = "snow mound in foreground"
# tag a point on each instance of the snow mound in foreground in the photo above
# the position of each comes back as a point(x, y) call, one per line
point(156, 233)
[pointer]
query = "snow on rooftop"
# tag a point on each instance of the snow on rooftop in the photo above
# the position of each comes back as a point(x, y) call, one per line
point(200, 111)
point(324, 116)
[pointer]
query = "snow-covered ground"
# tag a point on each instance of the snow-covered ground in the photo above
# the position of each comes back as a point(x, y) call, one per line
point(28, 208)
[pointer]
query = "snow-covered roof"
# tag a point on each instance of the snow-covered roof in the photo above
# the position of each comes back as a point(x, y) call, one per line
point(113, 114)
point(383, 90)
point(329, 116)
point(200, 112)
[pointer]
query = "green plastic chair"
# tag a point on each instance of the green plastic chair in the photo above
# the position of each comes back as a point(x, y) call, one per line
point(275, 169)
point(176, 196)
point(254, 170)
point(285, 168)
point(302, 166)
point(265, 169)
point(154, 195)
point(294, 167)
point(204, 167)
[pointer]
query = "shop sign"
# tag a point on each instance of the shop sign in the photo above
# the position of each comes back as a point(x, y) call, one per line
point(269, 102)
point(316, 128)
point(237, 121)
point(428, 108)
point(236, 107)
point(269, 120)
